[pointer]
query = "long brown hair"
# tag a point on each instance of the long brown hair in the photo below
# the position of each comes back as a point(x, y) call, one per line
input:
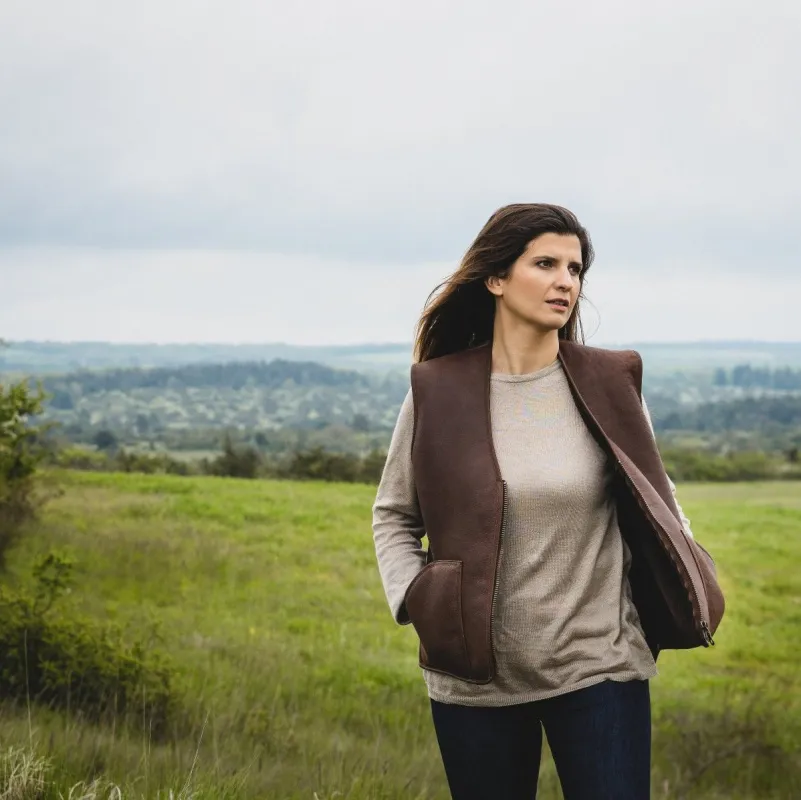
point(463, 314)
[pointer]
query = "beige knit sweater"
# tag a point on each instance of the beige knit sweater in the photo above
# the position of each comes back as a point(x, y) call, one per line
point(563, 618)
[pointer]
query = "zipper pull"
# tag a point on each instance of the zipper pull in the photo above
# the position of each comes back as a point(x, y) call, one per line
point(708, 640)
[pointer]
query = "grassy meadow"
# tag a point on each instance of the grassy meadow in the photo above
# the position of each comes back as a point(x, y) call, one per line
point(296, 683)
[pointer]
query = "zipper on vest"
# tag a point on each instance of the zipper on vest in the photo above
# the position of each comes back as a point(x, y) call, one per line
point(504, 510)
point(695, 597)
point(699, 617)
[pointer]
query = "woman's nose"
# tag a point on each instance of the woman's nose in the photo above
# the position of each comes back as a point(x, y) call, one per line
point(566, 280)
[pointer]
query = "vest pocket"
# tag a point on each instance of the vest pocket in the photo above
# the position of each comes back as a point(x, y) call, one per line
point(434, 604)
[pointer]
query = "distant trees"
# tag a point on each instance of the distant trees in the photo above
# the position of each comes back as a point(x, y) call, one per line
point(748, 377)
point(178, 402)
point(694, 465)
point(232, 375)
point(105, 440)
point(318, 464)
point(62, 400)
point(360, 423)
point(750, 414)
point(236, 462)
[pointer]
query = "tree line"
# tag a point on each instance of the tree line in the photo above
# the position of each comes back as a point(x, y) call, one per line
point(748, 377)
point(746, 414)
point(231, 375)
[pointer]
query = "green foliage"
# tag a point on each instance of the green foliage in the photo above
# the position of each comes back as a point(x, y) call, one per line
point(198, 402)
point(360, 423)
point(63, 661)
point(121, 460)
point(373, 465)
point(21, 452)
point(148, 463)
point(748, 376)
point(81, 458)
point(695, 465)
point(25, 775)
point(319, 465)
point(301, 684)
point(769, 414)
point(105, 440)
point(236, 462)
point(231, 375)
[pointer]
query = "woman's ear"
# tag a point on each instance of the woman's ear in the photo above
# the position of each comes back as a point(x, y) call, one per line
point(493, 283)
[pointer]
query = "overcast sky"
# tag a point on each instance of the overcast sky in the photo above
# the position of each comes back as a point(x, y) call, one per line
point(308, 172)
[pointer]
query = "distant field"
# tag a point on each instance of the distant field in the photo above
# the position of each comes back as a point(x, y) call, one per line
point(269, 598)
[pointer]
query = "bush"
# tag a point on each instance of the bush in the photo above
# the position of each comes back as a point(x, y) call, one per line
point(236, 462)
point(149, 463)
point(69, 663)
point(318, 464)
point(81, 458)
point(373, 466)
point(323, 465)
point(692, 465)
point(121, 461)
point(21, 452)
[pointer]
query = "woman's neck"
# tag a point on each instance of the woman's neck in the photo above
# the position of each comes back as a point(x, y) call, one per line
point(523, 350)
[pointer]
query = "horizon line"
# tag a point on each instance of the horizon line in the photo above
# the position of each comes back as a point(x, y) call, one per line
point(373, 344)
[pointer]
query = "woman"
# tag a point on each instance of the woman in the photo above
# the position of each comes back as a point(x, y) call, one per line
point(559, 562)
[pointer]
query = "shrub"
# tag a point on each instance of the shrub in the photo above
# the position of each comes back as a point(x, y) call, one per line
point(149, 463)
point(236, 462)
point(21, 452)
point(693, 465)
point(75, 664)
point(373, 466)
point(319, 464)
point(121, 461)
point(81, 458)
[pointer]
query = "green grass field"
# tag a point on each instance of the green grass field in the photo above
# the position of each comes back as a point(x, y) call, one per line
point(298, 684)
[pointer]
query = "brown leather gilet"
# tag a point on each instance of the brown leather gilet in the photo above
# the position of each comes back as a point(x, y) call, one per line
point(463, 502)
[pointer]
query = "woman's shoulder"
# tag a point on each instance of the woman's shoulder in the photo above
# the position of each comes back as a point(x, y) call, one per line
point(593, 351)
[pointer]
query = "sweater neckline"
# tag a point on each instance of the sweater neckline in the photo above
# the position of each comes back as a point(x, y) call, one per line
point(508, 377)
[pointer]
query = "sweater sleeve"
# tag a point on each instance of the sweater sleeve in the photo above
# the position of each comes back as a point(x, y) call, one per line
point(397, 523)
point(685, 523)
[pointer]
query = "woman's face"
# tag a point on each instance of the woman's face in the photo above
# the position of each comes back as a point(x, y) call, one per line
point(549, 269)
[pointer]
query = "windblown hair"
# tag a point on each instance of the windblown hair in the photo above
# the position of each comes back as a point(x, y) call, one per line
point(463, 314)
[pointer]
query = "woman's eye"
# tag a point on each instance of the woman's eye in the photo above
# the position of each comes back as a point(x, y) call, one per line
point(548, 263)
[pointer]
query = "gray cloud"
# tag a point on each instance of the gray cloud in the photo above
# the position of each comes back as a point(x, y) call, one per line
point(358, 130)
point(197, 296)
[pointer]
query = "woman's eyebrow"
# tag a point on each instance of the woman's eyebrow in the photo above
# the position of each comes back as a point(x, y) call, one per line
point(545, 257)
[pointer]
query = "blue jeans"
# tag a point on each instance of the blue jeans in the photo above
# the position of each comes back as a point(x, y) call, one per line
point(600, 738)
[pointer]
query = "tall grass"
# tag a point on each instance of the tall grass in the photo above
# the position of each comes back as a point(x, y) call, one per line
point(295, 683)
